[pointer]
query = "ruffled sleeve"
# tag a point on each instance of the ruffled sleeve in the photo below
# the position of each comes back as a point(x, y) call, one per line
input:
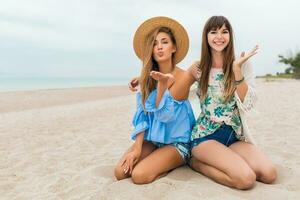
point(165, 110)
point(251, 96)
point(140, 119)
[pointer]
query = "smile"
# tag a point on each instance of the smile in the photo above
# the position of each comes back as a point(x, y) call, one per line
point(219, 43)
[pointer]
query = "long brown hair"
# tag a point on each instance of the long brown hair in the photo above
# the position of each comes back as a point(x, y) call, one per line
point(147, 83)
point(214, 23)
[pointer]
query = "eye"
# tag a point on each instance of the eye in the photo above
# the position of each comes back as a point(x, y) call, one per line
point(213, 32)
point(226, 32)
point(164, 41)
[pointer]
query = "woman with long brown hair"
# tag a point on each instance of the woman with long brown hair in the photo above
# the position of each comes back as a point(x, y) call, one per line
point(164, 118)
point(221, 144)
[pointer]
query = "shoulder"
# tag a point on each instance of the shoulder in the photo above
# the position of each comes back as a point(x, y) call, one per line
point(181, 73)
point(179, 70)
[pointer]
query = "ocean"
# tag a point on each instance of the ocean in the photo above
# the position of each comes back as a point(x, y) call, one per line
point(39, 83)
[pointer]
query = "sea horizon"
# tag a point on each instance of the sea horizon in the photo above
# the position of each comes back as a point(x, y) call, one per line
point(27, 83)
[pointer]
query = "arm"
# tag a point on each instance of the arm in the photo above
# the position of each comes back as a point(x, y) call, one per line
point(140, 123)
point(245, 93)
point(133, 156)
point(164, 82)
point(242, 87)
point(139, 141)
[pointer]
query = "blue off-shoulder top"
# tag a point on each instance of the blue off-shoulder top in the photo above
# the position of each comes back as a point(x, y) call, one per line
point(172, 121)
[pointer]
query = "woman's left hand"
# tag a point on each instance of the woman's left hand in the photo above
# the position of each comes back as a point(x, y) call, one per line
point(167, 78)
point(237, 64)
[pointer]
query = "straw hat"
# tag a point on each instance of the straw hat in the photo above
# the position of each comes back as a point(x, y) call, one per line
point(180, 34)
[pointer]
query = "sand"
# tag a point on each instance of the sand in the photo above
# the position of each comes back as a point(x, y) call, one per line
point(64, 144)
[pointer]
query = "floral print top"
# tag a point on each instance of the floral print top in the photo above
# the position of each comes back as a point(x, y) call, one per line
point(215, 111)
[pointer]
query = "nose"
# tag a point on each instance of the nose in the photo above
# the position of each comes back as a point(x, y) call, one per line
point(219, 35)
point(159, 46)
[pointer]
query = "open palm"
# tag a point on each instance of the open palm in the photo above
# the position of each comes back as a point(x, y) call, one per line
point(161, 77)
point(244, 57)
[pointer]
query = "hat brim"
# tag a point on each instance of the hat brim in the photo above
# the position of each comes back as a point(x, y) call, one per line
point(180, 34)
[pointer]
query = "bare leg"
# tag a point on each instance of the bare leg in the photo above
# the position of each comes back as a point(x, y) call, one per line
point(210, 171)
point(147, 148)
point(223, 165)
point(157, 164)
point(264, 169)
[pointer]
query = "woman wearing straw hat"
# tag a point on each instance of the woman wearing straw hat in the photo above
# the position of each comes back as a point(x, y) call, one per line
point(164, 118)
point(221, 144)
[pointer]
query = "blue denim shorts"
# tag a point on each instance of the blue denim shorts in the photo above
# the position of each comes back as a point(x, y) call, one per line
point(182, 148)
point(225, 135)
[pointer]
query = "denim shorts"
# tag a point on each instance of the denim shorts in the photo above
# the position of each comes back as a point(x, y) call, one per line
point(225, 135)
point(182, 148)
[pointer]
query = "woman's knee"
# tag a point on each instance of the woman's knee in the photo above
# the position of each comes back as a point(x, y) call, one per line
point(139, 176)
point(244, 180)
point(119, 173)
point(268, 175)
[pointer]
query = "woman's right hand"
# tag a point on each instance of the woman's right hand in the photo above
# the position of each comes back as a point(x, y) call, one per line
point(133, 83)
point(130, 159)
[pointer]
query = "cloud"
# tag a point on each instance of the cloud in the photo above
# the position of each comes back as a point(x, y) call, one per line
point(90, 37)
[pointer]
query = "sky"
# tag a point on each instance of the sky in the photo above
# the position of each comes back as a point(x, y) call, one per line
point(93, 38)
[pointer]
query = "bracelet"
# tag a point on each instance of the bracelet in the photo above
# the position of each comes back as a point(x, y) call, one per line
point(239, 81)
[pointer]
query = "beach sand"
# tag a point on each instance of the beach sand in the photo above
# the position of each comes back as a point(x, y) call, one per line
point(64, 144)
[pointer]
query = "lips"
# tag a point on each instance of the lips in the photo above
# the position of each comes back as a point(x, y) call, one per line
point(160, 54)
point(219, 43)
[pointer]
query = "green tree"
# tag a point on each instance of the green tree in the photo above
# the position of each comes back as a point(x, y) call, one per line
point(294, 62)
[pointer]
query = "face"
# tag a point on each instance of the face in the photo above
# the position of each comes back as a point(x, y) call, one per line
point(163, 47)
point(218, 39)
